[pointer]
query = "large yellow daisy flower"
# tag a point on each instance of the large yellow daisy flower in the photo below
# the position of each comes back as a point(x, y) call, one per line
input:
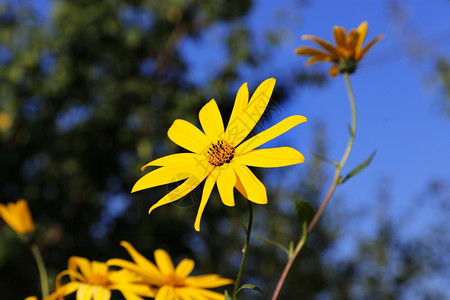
point(347, 52)
point(17, 216)
point(93, 280)
point(168, 282)
point(219, 155)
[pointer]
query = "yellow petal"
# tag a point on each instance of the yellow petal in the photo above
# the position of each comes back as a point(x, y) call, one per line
point(318, 58)
point(367, 47)
point(207, 281)
point(209, 184)
point(185, 268)
point(362, 30)
point(198, 294)
point(150, 275)
point(304, 50)
point(101, 293)
point(99, 268)
point(177, 159)
point(247, 120)
point(143, 263)
point(166, 292)
point(132, 296)
point(189, 293)
point(333, 71)
point(161, 176)
point(211, 120)
point(352, 41)
point(82, 263)
point(164, 262)
point(271, 158)
point(254, 189)
point(186, 135)
point(129, 291)
point(84, 292)
point(324, 44)
point(64, 290)
point(339, 36)
point(240, 104)
point(183, 189)
point(269, 134)
point(226, 180)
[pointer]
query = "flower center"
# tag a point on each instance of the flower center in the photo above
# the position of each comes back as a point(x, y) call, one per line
point(220, 153)
point(98, 279)
point(174, 280)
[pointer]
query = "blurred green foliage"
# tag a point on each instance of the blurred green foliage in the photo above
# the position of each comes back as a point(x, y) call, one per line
point(86, 96)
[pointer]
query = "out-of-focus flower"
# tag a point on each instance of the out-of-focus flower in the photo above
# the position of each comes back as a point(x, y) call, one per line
point(168, 282)
point(219, 155)
point(31, 298)
point(347, 52)
point(17, 216)
point(6, 121)
point(93, 280)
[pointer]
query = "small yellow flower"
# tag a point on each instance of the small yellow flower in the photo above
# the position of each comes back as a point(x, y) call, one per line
point(31, 298)
point(17, 216)
point(347, 53)
point(93, 280)
point(168, 282)
point(219, 155)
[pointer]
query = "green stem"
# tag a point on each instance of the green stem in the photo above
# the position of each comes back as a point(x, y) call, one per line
point(248, 231)
point(334, 184)
point(42, 270)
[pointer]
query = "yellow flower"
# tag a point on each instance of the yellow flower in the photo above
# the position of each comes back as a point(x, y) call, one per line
point(219, 155)
point(31, 298)
point(93, 280)
point(168, 282)
point(347, 53)
point(17, 216)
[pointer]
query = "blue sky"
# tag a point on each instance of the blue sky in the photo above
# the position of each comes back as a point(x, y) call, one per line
point(397, 91)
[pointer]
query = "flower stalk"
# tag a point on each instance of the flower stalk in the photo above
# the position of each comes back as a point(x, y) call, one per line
point(42, 271)
point(248, 231)
point(334, 184)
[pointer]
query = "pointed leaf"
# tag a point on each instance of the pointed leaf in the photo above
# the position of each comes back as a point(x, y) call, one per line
point(358, 169)
point(305, 211)
point(322, 158)
point(227, 296)
point(273, 243)
point(251, 287)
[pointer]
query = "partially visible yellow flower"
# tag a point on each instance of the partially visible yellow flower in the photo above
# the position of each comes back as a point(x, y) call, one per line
point(31, 298)
point(93, 280)
point(347, 52)
point(17, 216)
point(6, 121)
point(219, 155)
point(169, 282)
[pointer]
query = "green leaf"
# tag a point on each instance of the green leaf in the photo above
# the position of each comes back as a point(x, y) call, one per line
point(227, 296)
point(251, 287)
point(305, 211)
point(323, 158)
point(273, 243)
point(358, 169)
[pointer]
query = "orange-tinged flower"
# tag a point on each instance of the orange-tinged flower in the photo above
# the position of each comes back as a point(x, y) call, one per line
point(347, 52)
point(169, 282)
point(93, 280)
point(17, 216)
point(219, 155)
